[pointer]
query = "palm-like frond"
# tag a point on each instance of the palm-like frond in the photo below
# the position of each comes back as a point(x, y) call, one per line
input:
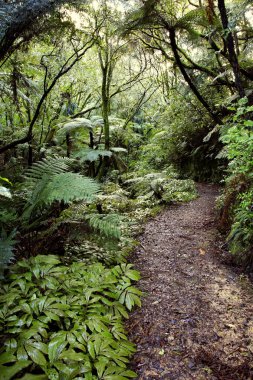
point(49, 167)
point(51, 180)
point(68, 187)
point(76, 124)
point(81, 123)
point(92, 154)
point(107, 224)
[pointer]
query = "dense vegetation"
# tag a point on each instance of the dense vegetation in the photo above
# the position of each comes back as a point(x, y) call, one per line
point(109, 111)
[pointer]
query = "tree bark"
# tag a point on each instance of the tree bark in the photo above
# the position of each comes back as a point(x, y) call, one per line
point(188, 80)
point(105, 109)
point(229, 44)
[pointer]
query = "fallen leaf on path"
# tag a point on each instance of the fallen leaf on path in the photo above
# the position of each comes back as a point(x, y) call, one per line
point(202, 251)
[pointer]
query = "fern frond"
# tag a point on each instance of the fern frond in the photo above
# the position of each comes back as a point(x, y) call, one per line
point(69, 187)
point(118, 149)
point(92, 154)
point(196, 17)
point(48, 166)
point(107, 224)
point(76, 124)
point(52, 181)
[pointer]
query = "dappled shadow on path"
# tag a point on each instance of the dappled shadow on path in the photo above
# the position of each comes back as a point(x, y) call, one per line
point(196, 321)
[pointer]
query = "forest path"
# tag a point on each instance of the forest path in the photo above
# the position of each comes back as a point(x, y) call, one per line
point(196, 321)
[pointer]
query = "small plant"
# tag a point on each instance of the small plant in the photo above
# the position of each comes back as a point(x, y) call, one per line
point(65, 322)
point(160, 188)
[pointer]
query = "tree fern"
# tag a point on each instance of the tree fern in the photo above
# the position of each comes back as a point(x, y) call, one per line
point(76, 124)
point(92, 154)
point(51, 180)
point(81, 123)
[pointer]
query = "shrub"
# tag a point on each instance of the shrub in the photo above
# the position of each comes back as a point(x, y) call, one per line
point(238, 195)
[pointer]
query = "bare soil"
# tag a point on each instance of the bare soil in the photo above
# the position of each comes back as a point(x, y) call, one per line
point(196, 321)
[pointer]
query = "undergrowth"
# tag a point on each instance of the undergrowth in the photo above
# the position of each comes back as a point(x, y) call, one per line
point(62, 316)
point(65, 322)
point(237, 198)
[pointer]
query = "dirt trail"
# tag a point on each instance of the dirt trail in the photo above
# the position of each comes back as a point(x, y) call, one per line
point(197, 316)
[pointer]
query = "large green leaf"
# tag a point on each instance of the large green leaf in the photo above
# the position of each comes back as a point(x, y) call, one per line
point(118, 149)
point(55, 347)
point(36, 355)
point(73, 356)
point(7, 373)
point(7, 357)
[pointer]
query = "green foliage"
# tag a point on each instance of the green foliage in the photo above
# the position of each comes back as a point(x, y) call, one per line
point(238, 194)
point(107, 224)
point(49, 167)
point(160, 187)
point(92, 154)
point(238, 139)
point(49, 180)
point(76, 124)
point(89, 251)
point(66, 321)
point(241, 235)
point(110, 235)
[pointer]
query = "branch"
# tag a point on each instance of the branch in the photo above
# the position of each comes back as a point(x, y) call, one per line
point(138, 105)
point(64, 69)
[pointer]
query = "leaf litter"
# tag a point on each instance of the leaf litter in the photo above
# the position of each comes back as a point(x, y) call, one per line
point(196, 321)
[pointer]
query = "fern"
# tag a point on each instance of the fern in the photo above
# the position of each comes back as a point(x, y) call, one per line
point(107, 224)
point(81, 123)
point(118, 149)
point(68, 187)
point(76, 124)
point(48, 166)
point(6, 250)
point(92, 154)
point(50, 180)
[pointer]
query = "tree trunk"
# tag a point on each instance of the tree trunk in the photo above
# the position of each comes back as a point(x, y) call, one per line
point(69, 144)
point(229, 44)
point(105, 109)
point(187, 78)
